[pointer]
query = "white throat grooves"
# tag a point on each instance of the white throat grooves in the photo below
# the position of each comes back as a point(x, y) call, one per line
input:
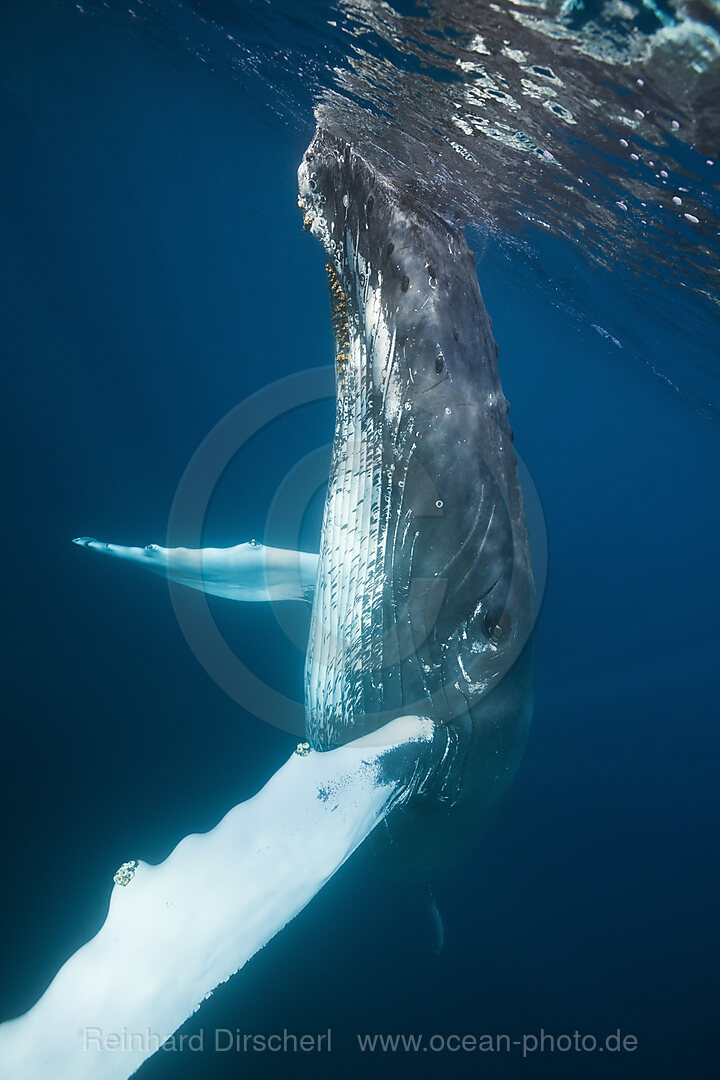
point(347, 617)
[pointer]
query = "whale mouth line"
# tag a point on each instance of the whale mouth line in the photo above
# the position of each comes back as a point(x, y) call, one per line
point(339, 321)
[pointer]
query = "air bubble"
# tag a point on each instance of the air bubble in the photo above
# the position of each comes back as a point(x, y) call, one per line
point(448, 410)
point(439, 504)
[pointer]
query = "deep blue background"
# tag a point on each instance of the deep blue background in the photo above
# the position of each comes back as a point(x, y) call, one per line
point(154, 273)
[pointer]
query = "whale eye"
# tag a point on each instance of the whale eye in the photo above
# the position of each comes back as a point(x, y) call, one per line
point(369, 204)
point(496, 625)
point(439, 363)
point(405, 283)
point(389, 250)
point(254, 543)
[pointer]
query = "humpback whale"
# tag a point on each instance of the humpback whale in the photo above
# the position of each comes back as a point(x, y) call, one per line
point(418, 681)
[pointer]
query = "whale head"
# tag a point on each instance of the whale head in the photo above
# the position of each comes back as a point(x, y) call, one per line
point(424, 602)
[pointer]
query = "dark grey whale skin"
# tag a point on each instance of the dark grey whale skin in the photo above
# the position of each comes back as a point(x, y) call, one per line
point(433, 589)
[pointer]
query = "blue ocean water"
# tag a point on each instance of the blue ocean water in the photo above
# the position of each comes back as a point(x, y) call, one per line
point(154, 273)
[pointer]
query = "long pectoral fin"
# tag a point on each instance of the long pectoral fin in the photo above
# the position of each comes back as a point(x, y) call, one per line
point(250, 571)
point(176, 931)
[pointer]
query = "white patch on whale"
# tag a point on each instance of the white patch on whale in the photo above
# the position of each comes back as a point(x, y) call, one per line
point(176, 931)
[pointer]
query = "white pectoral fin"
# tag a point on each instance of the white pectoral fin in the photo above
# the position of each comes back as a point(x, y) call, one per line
point(176, 931)
point(250, 571)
